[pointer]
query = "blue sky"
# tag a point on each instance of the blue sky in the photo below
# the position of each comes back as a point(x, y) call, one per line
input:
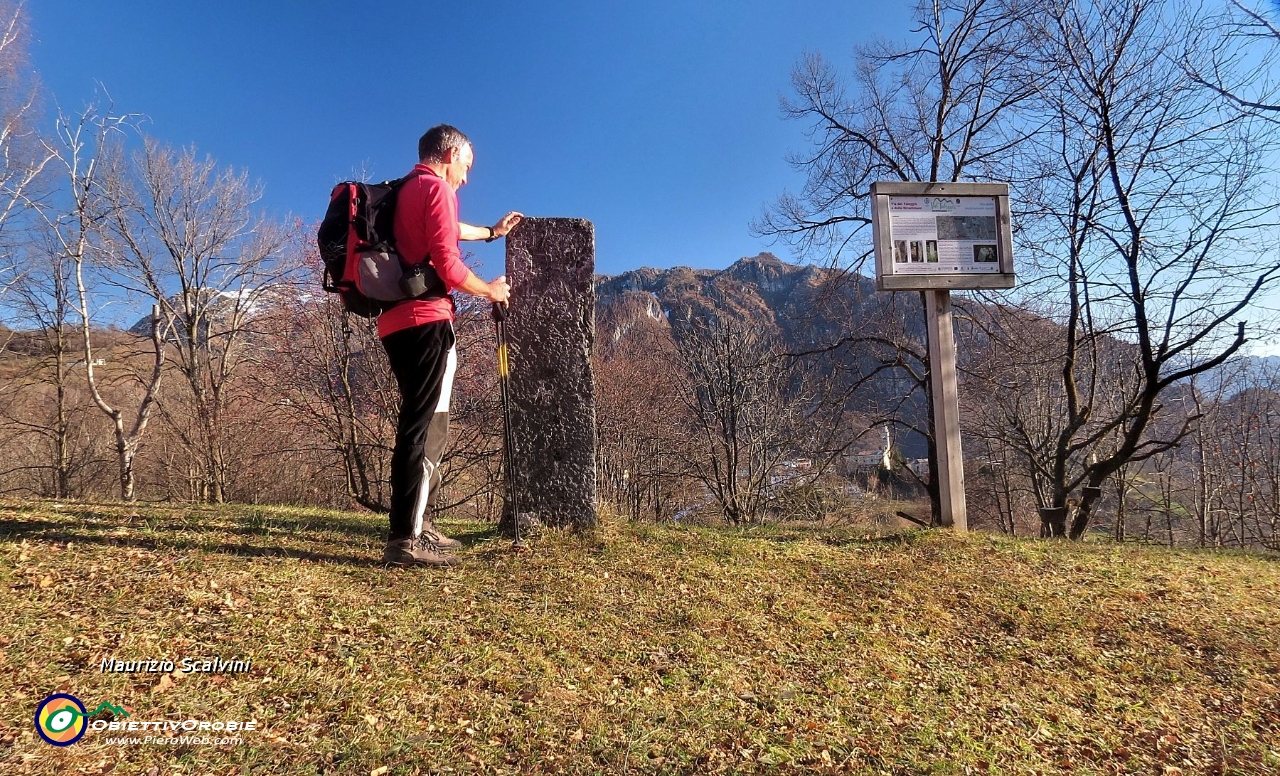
point(658, 121)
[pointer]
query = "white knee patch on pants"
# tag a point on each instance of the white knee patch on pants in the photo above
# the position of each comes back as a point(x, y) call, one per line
point(428, 465)
point(446, 388)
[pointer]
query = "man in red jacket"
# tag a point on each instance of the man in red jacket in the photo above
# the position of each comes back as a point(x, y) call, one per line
point(419, 339)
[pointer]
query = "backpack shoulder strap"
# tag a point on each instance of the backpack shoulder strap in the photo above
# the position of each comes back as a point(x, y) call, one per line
point(398, 182)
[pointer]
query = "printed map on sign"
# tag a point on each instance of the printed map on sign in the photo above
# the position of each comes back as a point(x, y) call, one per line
point(943, 235)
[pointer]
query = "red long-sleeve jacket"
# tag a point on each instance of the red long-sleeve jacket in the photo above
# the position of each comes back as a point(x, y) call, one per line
point(426, 226)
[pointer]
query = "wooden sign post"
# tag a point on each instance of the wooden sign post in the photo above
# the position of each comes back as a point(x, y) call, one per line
point(934, 237)
point(946, 408)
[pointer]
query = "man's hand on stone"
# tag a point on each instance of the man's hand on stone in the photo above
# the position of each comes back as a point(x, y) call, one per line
point(507, 223)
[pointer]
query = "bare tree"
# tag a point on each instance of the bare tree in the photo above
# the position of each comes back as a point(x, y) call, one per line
point(1149, 198)
point(22, 159)
point(315, 368)
point(640, 424)
point(1237, 54)
point(942, 107)
point(1141, 205)
point(742, 426)
point(1008, 384)
point(184, 235)
point(42, 299)
point(22, 156)
point(1208, 478)
point(1233, 481)
point(83, 147)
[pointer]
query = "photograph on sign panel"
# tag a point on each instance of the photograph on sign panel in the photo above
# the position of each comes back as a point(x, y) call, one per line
point(931, 251)
point(966, 228)
point(917, 255)
point(984, 253)
point(899, 251)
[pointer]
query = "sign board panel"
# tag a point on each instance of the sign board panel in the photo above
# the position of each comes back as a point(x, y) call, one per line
point(942, 235)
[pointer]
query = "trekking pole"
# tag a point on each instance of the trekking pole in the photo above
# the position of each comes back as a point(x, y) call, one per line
point(508, 448)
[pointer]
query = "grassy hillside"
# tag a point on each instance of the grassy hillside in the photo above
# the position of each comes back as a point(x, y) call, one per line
point(640, 649)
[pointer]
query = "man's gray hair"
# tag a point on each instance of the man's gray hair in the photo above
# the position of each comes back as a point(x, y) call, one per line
point(433, 145)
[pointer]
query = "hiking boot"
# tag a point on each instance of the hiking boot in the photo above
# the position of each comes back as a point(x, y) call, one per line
point(440, 540)
point(421, 551)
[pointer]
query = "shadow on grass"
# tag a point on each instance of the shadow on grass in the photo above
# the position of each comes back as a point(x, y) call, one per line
point(174, 517)
point(904, 538)
point(192, 537)
point(479, 536)
point(211, 530)
point(304, 529)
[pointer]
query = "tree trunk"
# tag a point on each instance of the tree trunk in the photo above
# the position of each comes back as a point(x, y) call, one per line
point(61, 475)
point(1120, 516)
point(124, 456)
point(1053, 522)
point(1088, 497)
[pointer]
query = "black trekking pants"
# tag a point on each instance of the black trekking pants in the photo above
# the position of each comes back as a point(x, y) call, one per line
point(423, 360)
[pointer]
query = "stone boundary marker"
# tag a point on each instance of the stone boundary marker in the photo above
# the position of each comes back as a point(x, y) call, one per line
point(550, 332)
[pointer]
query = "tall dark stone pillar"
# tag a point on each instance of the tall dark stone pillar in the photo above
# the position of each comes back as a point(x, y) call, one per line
point(550, 331)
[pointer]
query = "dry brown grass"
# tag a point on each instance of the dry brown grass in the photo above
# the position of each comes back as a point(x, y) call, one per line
point(638, 649)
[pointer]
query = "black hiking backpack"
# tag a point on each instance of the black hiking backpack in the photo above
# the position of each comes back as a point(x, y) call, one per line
point(358, 248)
